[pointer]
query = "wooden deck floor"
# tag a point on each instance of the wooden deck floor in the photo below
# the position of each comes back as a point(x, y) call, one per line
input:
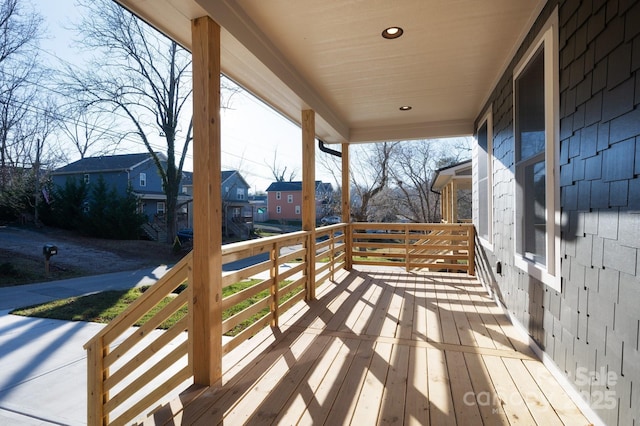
point(384, 346)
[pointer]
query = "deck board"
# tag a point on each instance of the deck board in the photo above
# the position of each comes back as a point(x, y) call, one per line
point(384, 346)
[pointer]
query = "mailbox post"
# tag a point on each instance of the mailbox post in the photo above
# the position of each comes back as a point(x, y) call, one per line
point(48, 250)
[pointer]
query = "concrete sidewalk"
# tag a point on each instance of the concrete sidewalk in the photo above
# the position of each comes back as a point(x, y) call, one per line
point(43, 379)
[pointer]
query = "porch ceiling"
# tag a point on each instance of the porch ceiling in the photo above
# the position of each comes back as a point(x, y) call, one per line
point(329, 56)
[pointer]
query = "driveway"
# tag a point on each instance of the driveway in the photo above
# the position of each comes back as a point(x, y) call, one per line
point(44, 367)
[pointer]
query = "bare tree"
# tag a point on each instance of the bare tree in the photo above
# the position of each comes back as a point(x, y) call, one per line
point(143, 76)
point(369, 174)
point(279, 172)
point(90, 132)
point(19, 35)
point(415, 165)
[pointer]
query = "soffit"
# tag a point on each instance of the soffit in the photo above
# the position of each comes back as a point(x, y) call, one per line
point(329, 56)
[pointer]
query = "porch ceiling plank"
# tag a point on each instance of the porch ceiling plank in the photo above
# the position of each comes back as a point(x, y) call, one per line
point(330, 57)
point(342, 370)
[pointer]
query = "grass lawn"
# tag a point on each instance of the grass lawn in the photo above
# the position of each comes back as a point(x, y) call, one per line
point(105, 306)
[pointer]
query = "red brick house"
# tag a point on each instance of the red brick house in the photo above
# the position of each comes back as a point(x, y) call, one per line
point(284, 200)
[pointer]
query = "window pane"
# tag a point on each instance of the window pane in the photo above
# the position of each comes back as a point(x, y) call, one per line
point(535, 223)
point(530, 109)
point(483, 207)
point(482, 152)
point(483, 182)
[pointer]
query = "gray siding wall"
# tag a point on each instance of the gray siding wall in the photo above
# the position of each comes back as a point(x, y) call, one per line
point(593, 325)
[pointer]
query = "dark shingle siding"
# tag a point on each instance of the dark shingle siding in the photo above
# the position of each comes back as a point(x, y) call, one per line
point(594, 323)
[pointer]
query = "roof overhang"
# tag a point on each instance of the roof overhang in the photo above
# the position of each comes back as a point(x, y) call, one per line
point(329, 56)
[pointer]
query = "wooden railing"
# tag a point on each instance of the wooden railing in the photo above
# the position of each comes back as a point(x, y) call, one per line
point(441, 247)
point(123, 362)
point(119, 391)
point(130, 370)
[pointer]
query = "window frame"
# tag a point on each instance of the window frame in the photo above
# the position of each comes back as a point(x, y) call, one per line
point(487, 119)
point(161, 207)
point(278, 195)
point(549, 272)
point(290, 198)
point(143, 180)
point(87, 178)
point(298, 210)
point(278, 209)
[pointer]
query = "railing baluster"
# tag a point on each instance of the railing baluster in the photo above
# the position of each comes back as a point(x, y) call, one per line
point(275, 285)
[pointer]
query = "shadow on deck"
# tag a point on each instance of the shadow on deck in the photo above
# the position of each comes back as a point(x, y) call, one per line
point(381, 345)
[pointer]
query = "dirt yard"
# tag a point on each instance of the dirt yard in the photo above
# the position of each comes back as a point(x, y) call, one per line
point(21, 251)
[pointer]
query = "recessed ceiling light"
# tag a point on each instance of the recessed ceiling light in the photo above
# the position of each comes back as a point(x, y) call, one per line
point(392, 32)
point(405, 108)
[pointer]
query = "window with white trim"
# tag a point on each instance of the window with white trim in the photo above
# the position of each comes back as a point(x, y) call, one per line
point(297, 209)
point(143, 179)
point(278, 209)
point(239, 193)
point(290, 198)
point(484, 138)
point(87, 178)
point(160, 207)
point(536, 131)
point(278, 195)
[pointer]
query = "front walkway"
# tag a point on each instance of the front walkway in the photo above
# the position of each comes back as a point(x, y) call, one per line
point(384, 346)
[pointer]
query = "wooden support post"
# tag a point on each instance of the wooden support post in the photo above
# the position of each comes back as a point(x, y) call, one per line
point(346, 207)
point(205, 305)
point(472, 250)
point(96, 395)
point(309, 195)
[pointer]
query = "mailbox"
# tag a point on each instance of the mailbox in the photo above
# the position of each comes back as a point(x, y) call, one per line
point(49, 250)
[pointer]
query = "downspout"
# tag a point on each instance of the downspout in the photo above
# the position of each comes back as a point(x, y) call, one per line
point(323, 148)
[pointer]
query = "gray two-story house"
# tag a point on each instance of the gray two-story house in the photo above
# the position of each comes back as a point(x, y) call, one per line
point(137, 171)
point(237, 212)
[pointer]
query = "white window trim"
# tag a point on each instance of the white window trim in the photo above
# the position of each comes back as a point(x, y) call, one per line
point(87, 178)
point(290, 198)
point(278, 209)
point(143, 179)
point(278, 195)
point(161, 207)
point(488, 119)
point(551, 273)
point(298, 210)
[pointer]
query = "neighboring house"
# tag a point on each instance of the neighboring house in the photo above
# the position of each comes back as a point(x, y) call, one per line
point(121, 171)
point(453, 183)
point(259, 204)
point(284, 200)
point(237, 211)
